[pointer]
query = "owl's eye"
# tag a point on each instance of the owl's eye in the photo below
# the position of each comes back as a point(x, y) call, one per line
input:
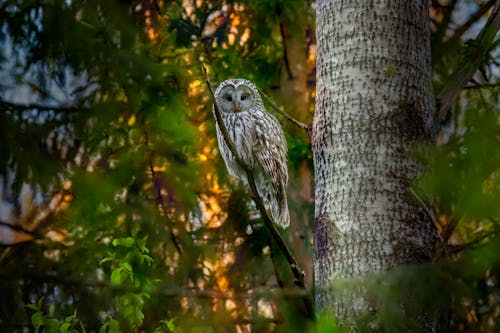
point(243, 97)
point(229, 98)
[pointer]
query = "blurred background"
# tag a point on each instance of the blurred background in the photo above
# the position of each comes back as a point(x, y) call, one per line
point(116, 211)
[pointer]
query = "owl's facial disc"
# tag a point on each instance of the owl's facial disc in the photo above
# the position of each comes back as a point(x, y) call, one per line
point(236, 99)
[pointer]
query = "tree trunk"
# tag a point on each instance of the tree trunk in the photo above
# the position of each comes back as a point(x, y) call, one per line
point(374, 102)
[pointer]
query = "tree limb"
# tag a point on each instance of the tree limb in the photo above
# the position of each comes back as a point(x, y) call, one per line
point(297, 272)
point(15, 107)
point(475, 17)
point(454, 249)
point(18, 228)
point(285, 52)
point(286, 115)
point(462, 75)
point(161, 202)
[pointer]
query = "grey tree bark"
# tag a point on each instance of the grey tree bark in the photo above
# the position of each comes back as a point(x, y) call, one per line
point(374, 102)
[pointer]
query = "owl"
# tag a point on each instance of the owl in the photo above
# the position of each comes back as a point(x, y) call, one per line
point(259, 141)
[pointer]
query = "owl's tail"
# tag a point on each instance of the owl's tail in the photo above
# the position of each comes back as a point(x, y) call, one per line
point(280, 209)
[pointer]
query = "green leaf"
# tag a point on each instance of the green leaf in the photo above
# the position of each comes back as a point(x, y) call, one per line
point(51, 325)
point(37, 320)
point(65, 327)
point(114, 327)
point(106, 259)
point(52, 309)
point(147, 259)
point(116, 277)
point(125, 242)
point(33, 307)
point(171, 325)
point(126, 267)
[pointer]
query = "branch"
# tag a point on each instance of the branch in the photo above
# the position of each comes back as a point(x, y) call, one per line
point(475, 17)
point(483, 86)
point(428, 211)
point(268, 99)
point(454, 249)
point(18, 228)
point(160, 200)
point(443, 25)
point(286, 115)
point(285, 52)
point(169, 291)
point(443, 246)
point(9, 106)
point(462, 75)
point(297, 272)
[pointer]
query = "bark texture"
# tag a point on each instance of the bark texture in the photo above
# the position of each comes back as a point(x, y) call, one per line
point(374, 102)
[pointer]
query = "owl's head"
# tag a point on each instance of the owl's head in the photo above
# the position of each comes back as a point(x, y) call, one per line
point(237, 95)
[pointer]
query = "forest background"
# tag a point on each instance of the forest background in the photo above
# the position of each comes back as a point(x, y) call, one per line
point(117, 213)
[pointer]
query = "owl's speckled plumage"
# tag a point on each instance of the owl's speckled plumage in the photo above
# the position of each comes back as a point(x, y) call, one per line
point(259, 141)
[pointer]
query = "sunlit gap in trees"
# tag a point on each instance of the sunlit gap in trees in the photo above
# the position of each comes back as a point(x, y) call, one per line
point(212, 215)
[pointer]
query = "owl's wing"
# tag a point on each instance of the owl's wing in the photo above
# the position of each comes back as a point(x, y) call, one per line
point(270, 150)
point(270, 154)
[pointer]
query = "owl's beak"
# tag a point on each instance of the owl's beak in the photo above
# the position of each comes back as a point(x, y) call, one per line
point(237, 107)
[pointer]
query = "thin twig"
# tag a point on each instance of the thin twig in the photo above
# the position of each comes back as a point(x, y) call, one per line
point(475, 17)
point(159, 197)
point(297, 272)
point(275, 265)
point(160, 200)
point(9, 106)
point(454, 249)
point(285, 52)
point(462, 75)
point(428, 211)
point(283, 113)
point(305, 127)
point(445, 237)
point(18, 228)
point(482, 86)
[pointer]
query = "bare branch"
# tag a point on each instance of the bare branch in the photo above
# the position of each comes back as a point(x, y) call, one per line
point(473, 19)
point(286, 115)
point(18, 228)
point(482, 86)
point(285, 52)
point(454, 249)
point(462, 75)
point(15, 107)
point(443, 246)
point(159, 198)
point(428, 211)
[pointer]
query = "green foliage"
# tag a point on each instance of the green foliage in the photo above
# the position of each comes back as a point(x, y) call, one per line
point(128, 234)
point(48, 323)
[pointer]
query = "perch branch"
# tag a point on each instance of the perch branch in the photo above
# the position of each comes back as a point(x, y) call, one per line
point(462, 75)
point(297, 272)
